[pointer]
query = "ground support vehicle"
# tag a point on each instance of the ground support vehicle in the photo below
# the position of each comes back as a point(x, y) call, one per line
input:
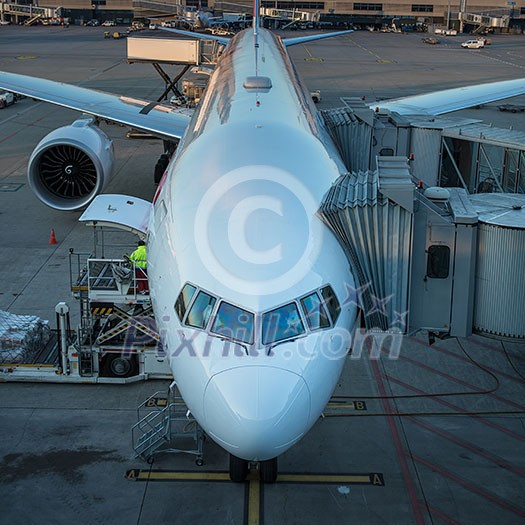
point(116, 340)
point(6, 99)
point(513, 108)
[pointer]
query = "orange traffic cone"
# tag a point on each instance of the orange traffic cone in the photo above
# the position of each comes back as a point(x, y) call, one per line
point(52, 239)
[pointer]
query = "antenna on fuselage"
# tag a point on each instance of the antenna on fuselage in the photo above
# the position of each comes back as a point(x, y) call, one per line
point(255, 24)
point(256, 84)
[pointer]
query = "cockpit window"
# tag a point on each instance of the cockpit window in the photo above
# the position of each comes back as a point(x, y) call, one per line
point(282, 323)
point(200, 310)
point(184, 299)
point(234, 323)
point(334, 308)
point(315, 312)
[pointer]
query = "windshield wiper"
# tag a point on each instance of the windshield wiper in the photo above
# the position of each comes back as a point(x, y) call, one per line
point(223, 337)
point(273, 345)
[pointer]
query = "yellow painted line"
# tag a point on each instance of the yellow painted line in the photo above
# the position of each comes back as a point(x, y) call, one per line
point(167, 475)
point(310, 57)
point(356, 405)
point(254, 488)
point(324, 478)
point(377, 57)
point(254, 502)
point(26, 57)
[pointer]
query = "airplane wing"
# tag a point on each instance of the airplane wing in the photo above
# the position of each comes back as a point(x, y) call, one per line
point(440, 102)
point(152, 117)
point(201, 36)
point(302, 39)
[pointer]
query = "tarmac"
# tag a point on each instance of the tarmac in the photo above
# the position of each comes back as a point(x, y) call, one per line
point(435, 436)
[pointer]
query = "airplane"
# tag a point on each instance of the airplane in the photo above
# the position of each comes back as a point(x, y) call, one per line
point(247, 284)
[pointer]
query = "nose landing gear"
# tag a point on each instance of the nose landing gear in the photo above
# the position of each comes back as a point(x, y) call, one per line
point(239, 469)
point(268, 470)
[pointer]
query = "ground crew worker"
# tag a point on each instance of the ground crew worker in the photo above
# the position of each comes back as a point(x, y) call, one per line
point(140, 262)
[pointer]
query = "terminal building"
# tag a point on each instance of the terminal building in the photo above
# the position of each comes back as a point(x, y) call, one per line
point(463, 15)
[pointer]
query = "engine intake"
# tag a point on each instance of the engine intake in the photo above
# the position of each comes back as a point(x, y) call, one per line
point(71, 165)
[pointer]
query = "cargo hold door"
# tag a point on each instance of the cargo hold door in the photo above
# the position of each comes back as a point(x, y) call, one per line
point(119, 211)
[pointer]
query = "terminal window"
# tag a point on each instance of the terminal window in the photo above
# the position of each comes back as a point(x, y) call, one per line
point(368, 7)
point(422, 8)
point(293, 5)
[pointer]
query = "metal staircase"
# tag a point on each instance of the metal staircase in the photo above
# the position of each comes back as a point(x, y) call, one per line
point(163, 422)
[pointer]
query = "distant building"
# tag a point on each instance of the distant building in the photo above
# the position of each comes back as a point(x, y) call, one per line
point(502, 15)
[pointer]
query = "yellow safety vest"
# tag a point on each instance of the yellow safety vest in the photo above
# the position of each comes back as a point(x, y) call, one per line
point(139, 257)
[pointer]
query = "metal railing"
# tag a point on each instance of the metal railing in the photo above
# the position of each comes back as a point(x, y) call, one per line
point(166, 422)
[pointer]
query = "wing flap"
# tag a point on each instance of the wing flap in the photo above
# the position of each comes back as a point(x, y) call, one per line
point(440, 102)
point(152, 117)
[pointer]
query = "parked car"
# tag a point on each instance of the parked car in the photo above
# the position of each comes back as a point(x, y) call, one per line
point(6, 99)
point(473, 44)
point(93, 22)
point(152, 25)
point(109, 23)
point(178, 100)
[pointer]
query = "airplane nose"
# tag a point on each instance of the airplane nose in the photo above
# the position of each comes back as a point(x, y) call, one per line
point(256, 412)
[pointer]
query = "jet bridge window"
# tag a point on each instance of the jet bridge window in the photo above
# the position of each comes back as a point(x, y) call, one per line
point(334, 308)
point(200, 311)
point(233, 323)
point(315, 312)
point(438, 261)
point(282, 323)
point(184, 299)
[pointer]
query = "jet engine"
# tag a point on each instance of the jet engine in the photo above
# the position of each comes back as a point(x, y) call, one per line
point(71, 165)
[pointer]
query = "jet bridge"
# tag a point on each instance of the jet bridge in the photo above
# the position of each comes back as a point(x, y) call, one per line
point(444, 151)
point(437, 259)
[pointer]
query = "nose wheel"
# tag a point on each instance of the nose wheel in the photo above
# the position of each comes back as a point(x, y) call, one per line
point(268, 470)
point(239, 469)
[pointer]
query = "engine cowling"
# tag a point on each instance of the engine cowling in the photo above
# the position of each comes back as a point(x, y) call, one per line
point(72, 165)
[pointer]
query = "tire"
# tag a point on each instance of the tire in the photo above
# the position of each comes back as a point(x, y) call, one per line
point(238, 469)
point(160, 167)
point(268, 470)
point(117, 365)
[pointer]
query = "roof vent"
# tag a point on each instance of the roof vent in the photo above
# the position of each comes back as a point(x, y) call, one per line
point(435, 193)
point(257, 83)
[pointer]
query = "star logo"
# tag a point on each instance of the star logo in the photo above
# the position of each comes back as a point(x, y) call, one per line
point(355, 295)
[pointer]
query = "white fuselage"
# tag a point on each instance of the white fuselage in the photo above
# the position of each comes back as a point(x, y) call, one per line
point(236, 218)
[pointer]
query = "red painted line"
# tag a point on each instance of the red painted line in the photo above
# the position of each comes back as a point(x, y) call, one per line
point(469, 446)
point(9, 137)
point(460, 381)
point(409, 482)
point(442, 516)
point(503, 503)
point(458, 409)
point(20, 130)
point(495, 348)
point(466, 360)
